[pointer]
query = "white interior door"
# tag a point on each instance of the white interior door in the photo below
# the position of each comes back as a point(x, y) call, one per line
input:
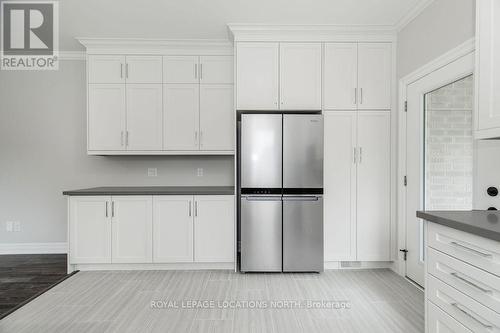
point(173, 228)
point(132, 222)
point(374, 76)
point(340, 78)
point(300, 76)
point(216, 117)
point(340, 186)
point(374, 186)
point(257, 71)
point(414, 161)
point(181, 116)
point(214, 228)
point(144, 117)
point(106, 117)
point(90, 230)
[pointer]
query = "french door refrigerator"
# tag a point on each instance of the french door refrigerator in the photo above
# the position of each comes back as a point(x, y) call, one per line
point(281, 192)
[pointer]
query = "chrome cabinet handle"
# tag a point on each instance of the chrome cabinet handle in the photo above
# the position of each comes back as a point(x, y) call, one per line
point(299, 198)
point(360, 155)
point(112, 209)
point(121, 138)
point(121, 71)
point(482, 254)
point(464, 311)
point(355, 96)
point(196, 208)
point(354, 155)
point(126, 70)
point(189, 208)
point(470, 283)
point(201, 71)
point(195, 71)
point(361, 95)
point(195, 137)
point(201, 138)
point(106, 209)
point(126, 138)
point(263, 198)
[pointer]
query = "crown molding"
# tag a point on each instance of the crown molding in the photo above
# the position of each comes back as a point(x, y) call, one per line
point(156, 46)
point(411, 14)
point(310, 32)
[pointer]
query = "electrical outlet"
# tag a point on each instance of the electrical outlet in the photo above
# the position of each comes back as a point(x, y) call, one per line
point(152, 172)
point(9, 226)
point(200, 172)
point(17, 226)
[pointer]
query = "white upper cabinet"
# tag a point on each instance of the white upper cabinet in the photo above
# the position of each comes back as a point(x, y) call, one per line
point(257, 66)
point(216, 69)
point(106, 69)
point(173, 228)
point(216, 117)
point(340, 78)
point(106, 117)
point(214, 228)
point(143, 69)
point(374, 76)
point(180, 69)
point(181, 116)
point(132, 222)
point(300, 76)
point(340, 186)
point(487, 69)
point(90, 225)
point(144, 117)
point(373, 186)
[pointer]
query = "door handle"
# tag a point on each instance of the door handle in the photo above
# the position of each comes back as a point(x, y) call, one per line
point(195, 71)
point(106, 209)
point(121, 71)
point(482, 254)
point(196, 137)
point(355, 96)
point(470, 283)
point(361, 95)
point(468, 314)
point(189, 208)
point(259, 198)
point(196, 208)
point(112, 209)
point(354, 153)
point(126, 138)
point(121, 138)
point(301, 198)
point(201, 138)
point(360, 155)
point(201, 71)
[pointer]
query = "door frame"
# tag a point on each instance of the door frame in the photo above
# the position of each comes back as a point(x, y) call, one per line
point(466, 49)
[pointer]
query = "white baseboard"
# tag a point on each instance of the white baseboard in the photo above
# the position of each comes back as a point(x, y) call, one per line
point(330, 265)
point(151, 266)
point(33, 248)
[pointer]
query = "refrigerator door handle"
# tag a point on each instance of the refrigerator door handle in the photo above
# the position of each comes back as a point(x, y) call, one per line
point(301, 198)
point(263, 198)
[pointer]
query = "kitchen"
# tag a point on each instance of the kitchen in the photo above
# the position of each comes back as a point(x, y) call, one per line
point(149, 136)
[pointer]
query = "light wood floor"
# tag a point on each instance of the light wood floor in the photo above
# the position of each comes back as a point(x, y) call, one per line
point(120, 301)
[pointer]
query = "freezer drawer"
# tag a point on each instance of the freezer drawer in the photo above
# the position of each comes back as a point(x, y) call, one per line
point(261, 234)
point(303, 151)
point(261, 150)
point(303, 233)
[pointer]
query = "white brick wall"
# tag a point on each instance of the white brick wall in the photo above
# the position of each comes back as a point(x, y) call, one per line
point(449, 147)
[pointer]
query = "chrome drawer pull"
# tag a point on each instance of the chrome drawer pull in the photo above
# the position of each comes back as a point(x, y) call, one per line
point(455, 274)
point(459, 308)
point(482, 254)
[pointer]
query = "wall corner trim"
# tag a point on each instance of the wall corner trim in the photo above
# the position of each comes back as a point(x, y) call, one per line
point(33, 248)
point(411, 14)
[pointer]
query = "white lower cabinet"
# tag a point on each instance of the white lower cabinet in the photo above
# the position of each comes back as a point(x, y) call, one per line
point(439, 321)
point(131, 229)
point(357, 186)
point(90, 230)
point(173, 228)
point(151, 229)
point(214, 228)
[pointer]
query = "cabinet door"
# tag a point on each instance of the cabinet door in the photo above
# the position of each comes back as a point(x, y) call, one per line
point(90, 230)
point(180, 69)
point(487, 65)
point(257, 76)
point(373, 186)
point(132, 223)
point(340, 186)
point(214, 228)
point(340, 79)
point(181, 117)
point(144, 117)
point(106, 116)
point(216, 69)
point(216, 117)
point(300, 76)
point(374, 76)
point(144, 69)
point(106, 69)
point(173, 228)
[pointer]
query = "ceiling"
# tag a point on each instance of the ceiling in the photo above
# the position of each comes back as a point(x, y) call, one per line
point(193, 19)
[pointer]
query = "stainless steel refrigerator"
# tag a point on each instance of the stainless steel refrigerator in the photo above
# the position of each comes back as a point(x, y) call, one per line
point(281, 192)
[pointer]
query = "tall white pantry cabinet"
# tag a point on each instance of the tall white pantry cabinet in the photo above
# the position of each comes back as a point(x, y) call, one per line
point(351, 83)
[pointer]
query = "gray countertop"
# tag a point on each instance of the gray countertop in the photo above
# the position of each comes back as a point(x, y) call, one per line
point(483, 223)
point(154, 190)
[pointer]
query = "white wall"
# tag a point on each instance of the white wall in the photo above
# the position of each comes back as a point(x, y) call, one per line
point(43, 152)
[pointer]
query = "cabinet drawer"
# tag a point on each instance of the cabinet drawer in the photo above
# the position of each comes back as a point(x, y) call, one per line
point(464, 309)
point(474, 282)
point(478, 251)
point(439, 321)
